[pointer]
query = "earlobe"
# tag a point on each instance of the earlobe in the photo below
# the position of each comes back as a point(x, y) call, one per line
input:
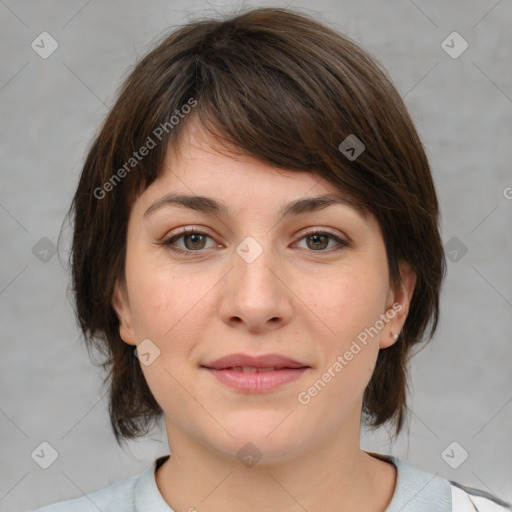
point(121, 306)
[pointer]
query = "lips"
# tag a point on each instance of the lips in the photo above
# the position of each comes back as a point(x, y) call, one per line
point(248, 364)
point(250, 374)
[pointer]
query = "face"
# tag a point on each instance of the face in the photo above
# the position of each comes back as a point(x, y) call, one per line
point(310, 286)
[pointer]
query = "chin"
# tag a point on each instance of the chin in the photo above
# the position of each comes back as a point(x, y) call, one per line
point(258, 451)
point(268, 439)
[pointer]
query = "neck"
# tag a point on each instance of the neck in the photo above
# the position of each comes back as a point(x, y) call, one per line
point(343, 479)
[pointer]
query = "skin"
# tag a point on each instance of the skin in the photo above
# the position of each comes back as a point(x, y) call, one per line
point(304, 298)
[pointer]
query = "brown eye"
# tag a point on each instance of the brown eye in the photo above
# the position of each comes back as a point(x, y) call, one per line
point(193, 241)
point(319, 240)
point(197, 241)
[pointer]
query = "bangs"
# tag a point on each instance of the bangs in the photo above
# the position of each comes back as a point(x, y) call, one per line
point(254, 96)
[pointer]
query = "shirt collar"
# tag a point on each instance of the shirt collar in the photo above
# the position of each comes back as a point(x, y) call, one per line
point(417, 490)
point(147, 496)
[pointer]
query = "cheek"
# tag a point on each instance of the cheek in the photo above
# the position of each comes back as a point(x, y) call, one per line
point(161, 295)
point(154, 305)
point(349, 305)
point(351, 300)
point(167, 309)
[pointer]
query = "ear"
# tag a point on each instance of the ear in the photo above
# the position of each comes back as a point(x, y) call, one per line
point(121, 306)
point(397, 306)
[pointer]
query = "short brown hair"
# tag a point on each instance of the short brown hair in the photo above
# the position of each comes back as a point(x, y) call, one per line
point(282, 87)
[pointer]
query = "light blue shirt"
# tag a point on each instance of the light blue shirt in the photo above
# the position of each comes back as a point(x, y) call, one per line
point(415, 491)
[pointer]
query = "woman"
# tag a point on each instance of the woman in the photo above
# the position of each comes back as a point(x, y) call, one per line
point(256, 249)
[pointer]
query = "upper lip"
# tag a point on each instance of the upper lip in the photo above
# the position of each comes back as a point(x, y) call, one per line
point(264, 361)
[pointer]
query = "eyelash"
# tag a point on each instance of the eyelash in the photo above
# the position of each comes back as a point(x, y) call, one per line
point(168, 243)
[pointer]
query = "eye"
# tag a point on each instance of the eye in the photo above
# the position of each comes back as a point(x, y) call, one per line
point(319, 240)
point(193, 239)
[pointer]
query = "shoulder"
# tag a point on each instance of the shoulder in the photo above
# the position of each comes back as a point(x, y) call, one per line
point(118, 497)
point(469, 499)
point(420, 491)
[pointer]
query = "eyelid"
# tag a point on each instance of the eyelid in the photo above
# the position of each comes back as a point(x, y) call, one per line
point(311, 230)
point(187, 230)
point(327, 231)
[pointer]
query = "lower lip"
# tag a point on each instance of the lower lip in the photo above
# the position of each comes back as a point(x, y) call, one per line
point(257, 382)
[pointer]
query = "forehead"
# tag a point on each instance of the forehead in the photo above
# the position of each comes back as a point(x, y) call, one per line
point(203, 174)
point(208, 162)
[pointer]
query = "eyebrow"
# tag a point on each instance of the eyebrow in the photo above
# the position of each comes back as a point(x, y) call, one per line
point(210, 205)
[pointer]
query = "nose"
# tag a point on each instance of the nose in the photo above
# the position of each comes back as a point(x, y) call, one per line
point(256, 293)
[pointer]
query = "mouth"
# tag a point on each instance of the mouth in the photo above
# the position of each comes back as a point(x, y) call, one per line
point(253, 369)
point(257, 380)
point(255, 374)
point(241, 361)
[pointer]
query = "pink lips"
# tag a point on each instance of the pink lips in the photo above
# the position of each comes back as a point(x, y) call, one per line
point(255, 374)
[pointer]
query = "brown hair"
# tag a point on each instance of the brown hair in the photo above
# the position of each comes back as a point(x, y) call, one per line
point(282, 87)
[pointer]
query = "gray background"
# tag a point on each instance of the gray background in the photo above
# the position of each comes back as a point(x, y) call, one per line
point(461, 386)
